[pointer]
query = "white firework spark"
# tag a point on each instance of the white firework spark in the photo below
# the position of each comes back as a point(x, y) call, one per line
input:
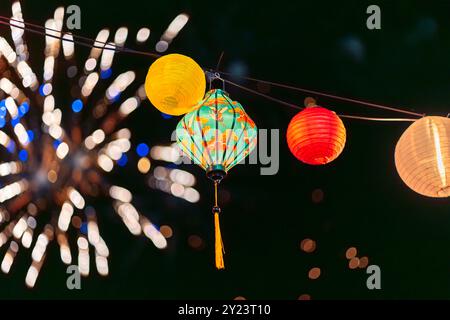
point(54, 165)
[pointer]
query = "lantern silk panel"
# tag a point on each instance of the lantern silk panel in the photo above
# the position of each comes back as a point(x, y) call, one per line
point(316, 136)
point(217, 132)
point(422, 156)
point(175, 84)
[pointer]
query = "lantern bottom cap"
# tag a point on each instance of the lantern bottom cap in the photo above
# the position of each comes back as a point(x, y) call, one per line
point(216, 172)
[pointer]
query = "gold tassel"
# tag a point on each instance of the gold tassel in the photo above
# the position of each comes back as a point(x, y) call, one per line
point(219, 244)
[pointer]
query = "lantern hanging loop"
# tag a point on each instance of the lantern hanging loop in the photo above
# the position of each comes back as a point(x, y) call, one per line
point(215, 76)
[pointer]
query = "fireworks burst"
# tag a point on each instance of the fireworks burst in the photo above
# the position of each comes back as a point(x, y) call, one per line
point(58, 158)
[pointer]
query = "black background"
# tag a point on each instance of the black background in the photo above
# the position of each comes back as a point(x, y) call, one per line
point(322, 45)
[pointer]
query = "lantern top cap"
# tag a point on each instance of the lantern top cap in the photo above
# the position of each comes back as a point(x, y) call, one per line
point(310, 102)
point(219, 91)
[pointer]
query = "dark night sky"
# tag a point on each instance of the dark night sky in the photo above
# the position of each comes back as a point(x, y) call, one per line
point(321, 45)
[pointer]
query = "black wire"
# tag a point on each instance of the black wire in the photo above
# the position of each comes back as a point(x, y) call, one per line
point(107, 46)
point(112, 48)
point(335, 97)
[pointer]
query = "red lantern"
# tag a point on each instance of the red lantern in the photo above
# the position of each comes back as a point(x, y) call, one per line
point(316, 135)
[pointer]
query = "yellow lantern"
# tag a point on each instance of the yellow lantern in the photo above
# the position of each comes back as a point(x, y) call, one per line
point(422, 157)
point(175, 84)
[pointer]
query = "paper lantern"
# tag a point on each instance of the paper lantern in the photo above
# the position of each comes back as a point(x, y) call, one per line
point(217, 136)
point(175, 84)
point(316, 135)
point(422, 157)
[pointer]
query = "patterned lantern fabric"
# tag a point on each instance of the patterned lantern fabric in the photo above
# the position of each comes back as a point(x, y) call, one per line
point(316, 136)
point(217, 132)
point(175, 84)
point(422, 157)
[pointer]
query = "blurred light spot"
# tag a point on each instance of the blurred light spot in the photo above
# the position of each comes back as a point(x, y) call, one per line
point(166, 116)
point(52, 176)
point(56, 143)
point(23, 155)
point(353, 48)
point(144, 165)
point(238, 69)
point(351, 253)
point(317, 196)
point(363, 262)
point(195, 242)
point(161, 46)
point(45, 89)
point(142, 149)
point(314, 273)
point(304, 297)
point(72, 71)
point(239, 298)
point(122, 162)
point(106, 74)
point(30, 135)
point(142, 35)
point(353, 263)
point(308, 245)
point(76, 222)
point(166, 231)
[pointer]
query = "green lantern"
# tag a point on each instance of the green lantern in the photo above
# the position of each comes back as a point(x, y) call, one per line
point(217, 135)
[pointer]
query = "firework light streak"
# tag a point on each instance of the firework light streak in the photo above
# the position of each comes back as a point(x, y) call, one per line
point(54, 165)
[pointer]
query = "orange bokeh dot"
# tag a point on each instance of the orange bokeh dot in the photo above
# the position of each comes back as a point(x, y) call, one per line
point(308, 245)
point(351, 253)
point(304, 297)
point(363, 262)
point(314, 273)
point(166, 231)
point(353, 263)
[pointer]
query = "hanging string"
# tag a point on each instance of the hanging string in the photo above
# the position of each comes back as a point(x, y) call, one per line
point(92, 43)
point(327, 95)
point(377, 119)
point(293, 106)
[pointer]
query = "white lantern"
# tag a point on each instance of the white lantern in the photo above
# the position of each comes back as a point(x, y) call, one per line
point(422, 157)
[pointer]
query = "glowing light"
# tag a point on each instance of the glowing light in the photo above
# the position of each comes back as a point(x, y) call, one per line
point(144, 165)
point(76, 198)
point(314, 273)
point(105, 162)
point(68, 46)
point(176, 25)
point(175, 84)
point(123, 160)
point(142, 35)
point(142, 149)
point(62, 151)
point(161, 46)
point(77, 105)
point(102, 264)
point(121, 36)
point(9, 257)
point(422, 156)
point(351, 253)
point(308, 245)
point(166, 231)
point(353, 263)
point(52, 176)
point(83, 256)
point(153, 234)
point(64, 216)
point(120, 194)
